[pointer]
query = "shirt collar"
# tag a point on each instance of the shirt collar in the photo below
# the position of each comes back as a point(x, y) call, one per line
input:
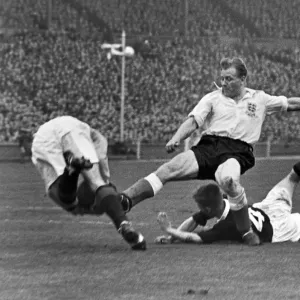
point(249, 93)
point(226, 210)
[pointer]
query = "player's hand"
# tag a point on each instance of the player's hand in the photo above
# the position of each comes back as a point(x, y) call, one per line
point(172, 145)
point(163, 221)
point(163, 239)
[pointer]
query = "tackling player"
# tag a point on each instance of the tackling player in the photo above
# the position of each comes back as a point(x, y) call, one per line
point(62, 149)
point(233, 118)
point(271, 218)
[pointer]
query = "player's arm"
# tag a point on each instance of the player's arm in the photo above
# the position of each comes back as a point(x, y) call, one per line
point(195, 120)
point(187, 225)
point(183, 132)
point(293, 104)
point(280, 103)
point(186, 237)
point(178, 234)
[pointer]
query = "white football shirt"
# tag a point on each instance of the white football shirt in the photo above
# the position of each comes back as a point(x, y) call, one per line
point(222, 116)
point(60, 126)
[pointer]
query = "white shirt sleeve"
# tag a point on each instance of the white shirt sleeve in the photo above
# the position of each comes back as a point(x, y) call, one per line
point(275, 103)
point(201, 110)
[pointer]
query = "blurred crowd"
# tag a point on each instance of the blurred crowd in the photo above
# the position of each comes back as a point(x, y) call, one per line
point(64, 71)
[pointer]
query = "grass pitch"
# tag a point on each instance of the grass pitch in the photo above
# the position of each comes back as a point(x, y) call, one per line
point(47, 254)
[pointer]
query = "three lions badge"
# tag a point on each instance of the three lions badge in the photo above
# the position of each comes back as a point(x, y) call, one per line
point(251, 109)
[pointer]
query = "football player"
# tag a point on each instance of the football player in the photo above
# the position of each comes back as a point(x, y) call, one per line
point(271, 219)
point(232, 117)
point(62, 149)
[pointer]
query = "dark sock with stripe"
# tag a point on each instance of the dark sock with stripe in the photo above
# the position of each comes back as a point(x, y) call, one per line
point(112, 207)
point(139, 191)
point(108, 201)
point(68, 186)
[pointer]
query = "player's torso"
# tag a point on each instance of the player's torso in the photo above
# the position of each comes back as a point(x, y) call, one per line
point(261, 224)
point(239, 120)
point(60, 126)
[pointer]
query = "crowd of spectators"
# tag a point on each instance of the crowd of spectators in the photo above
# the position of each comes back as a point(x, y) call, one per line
point(274, 18)
point(270, 18)
point(49, 73)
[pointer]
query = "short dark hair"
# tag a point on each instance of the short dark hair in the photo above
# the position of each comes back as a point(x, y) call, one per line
point(209, 194)
point(235, 62)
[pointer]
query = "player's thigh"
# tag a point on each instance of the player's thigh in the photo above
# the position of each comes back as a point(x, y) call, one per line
point(47, 157)
point(80, 144)
point(279, 196)
point(229, 169)
point(286, 186)
point(183, 166)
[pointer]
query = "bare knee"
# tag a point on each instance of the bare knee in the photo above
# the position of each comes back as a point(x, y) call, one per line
point(230, 185)
point(166, 172)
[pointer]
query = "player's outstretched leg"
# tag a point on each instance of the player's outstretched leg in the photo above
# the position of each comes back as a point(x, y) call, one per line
point(183, 166)
point(143, 189)
point(227, 176)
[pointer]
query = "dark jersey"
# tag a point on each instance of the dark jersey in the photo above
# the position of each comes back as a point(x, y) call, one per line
point(226, 229)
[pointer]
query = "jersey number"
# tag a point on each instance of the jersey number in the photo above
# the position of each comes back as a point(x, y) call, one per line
point(257, 219)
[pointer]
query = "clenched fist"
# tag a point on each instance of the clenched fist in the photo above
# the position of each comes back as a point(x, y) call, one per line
point(172, 145)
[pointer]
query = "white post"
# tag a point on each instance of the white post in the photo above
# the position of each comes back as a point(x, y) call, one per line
point(122, 88)
point(268, 148)
point(138, 149)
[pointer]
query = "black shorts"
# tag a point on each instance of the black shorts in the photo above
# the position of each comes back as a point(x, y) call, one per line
point(214, 150)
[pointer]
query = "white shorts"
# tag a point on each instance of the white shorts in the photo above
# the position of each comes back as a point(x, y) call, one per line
point(278, 206)
point(48, 148)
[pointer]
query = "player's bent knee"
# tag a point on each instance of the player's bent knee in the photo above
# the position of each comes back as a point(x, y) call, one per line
point(165, 172)
point(230, 168)
point(227, 184)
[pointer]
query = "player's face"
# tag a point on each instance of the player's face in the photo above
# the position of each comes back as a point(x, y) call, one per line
point(231, 83)
point(208, 210)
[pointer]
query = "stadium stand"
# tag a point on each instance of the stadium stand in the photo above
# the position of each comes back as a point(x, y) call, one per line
point(65, 71)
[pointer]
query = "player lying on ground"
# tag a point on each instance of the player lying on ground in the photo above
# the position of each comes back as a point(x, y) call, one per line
point(271, 218)
point(64, 148)
point(233, 118)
